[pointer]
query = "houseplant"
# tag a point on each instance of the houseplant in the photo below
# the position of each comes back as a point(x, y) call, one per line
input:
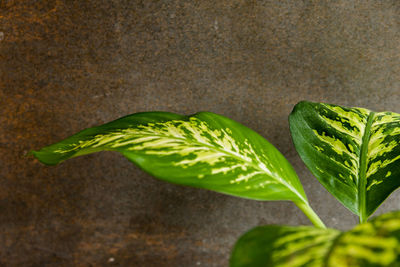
point(353, 152)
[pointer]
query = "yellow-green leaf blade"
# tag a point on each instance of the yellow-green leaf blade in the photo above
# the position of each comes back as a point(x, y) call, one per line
point(375, 243)
point(352, 152)
point(203, 150)
point(283, 246)
point(383, 161)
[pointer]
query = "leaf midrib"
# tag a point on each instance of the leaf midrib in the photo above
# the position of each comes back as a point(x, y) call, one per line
point(362, 172)
point(234, 155)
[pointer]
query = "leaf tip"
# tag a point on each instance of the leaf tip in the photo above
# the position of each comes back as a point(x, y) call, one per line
point(43, 157)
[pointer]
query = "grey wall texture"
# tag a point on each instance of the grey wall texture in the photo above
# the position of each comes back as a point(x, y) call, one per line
point(69, 65)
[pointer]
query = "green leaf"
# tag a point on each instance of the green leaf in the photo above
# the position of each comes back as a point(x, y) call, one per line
point(353, 152)
point(375, 243)
point(204, 150)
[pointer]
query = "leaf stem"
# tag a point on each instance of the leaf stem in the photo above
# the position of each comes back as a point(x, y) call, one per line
point(310, 213)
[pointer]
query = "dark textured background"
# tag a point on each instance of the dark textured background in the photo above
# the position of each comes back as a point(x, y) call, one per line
point(68, 65)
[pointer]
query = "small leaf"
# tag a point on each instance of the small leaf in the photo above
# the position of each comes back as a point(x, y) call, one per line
point(375, 243)
point(204, 150)
point(354, 152)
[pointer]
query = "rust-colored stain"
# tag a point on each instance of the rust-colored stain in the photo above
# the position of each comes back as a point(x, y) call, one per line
point(27, 21)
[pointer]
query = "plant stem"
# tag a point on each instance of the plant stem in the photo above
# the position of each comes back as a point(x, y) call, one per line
point(310, 213)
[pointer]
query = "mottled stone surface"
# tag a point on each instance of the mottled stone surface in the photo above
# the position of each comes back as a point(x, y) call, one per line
point(68, 65)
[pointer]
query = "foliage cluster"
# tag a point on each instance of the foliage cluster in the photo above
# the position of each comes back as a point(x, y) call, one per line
point(353, 152)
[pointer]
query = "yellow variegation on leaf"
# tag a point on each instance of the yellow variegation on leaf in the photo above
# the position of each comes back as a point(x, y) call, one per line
point(354, 152)
point(371, 244)
point(203, 150)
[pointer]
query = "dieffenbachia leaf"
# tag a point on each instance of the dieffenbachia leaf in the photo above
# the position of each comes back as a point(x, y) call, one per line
point(204, 150)
point(374, 243)
point(354, 152)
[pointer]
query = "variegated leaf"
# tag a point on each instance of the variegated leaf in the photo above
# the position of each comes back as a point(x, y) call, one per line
point(203, 150)
point(354, 152)
point(375, 243)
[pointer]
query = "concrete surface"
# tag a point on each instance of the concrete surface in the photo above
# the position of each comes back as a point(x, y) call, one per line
point(68, 65)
